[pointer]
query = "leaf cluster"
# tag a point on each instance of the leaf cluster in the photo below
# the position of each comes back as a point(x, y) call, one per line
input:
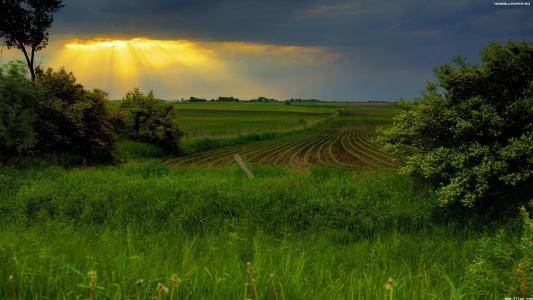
point(471, 132)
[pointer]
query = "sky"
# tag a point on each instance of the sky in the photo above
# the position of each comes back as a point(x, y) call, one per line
point(347, 50)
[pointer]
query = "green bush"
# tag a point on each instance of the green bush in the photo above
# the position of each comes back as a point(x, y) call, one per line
point(54, 115)
point(18, 113)
point(126, 150)
point(471, 133)
point(72, 119)
point(150, 120)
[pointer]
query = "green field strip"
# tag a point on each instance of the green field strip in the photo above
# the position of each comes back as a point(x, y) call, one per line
point(245, 152)
point(192, 157)
point(330, 151)
point(320, 152)
point(340, 162)
point(249, 152)
point(205, 155)
point(325, 146)
point(221, 161)
point(277, 150)
point(352, 144)
point(201, 156)
point(273, 153)
point(360, 142)
point(308, 153)
point(323, 155)
point(351, 160)
point(373, 148)
point(306, 150)
point(299, 145)
point(363, 141)
point(256, 154)
point(287, 153)
point(302, 149)
point(357, 142)
point(311, 153)
point(360, 158)
point(241, 149)
point(285, 143)
point(217, 159)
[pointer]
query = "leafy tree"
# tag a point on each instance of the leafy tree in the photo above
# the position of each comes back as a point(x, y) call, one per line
point(24, 25)
point(471, 133)
point(150, 120)
point(53, 115)
point(17, 112)
point(72, 119)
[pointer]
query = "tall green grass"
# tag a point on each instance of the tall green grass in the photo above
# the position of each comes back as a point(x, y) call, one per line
point(326, 234)
point(130, 150)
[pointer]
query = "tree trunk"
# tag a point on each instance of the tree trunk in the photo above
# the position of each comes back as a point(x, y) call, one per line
point(29, 61)
point(32, 67)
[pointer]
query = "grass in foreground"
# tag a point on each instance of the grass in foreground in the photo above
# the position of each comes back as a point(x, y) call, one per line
point(330, 234)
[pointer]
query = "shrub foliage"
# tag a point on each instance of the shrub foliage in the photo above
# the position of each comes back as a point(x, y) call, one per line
point(72, 119)
point(150, 120)
point(471, 132)
point(54, 114)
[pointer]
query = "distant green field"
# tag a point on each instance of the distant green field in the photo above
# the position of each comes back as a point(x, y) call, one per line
point(254, 106)
point(230, 119)
point(214, 123)
point(342, 139)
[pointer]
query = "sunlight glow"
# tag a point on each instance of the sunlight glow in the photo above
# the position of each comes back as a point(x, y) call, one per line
point(183, 67)
point(124, 64)
point(159, 52)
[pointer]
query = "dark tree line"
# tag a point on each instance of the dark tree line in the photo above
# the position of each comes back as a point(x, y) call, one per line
point(55, 115)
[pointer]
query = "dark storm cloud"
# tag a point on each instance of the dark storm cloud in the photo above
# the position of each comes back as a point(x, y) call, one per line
point(383, 38)
point(296, 22)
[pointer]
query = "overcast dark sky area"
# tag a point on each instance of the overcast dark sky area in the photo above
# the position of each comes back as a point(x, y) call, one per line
point(384, 49)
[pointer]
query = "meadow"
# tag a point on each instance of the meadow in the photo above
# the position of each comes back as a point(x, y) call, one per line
point(331, 234)
point(325, 217)
point(228, 119)
point(144, 198)
point(211, 125)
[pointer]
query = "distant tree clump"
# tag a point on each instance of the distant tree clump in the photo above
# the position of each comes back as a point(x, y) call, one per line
point(195, 99)
point(263, 99)
point(303, 100)
point(54, 114)
point(24, 25)
point(227, 99)
point(471, 133)
point(150, 120)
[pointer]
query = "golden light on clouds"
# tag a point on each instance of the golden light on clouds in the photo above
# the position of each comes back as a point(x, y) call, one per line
point(125, 62)
point(161, 52)
point(182, 68)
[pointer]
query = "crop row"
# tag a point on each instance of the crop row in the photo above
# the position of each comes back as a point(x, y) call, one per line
point(340, 143)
